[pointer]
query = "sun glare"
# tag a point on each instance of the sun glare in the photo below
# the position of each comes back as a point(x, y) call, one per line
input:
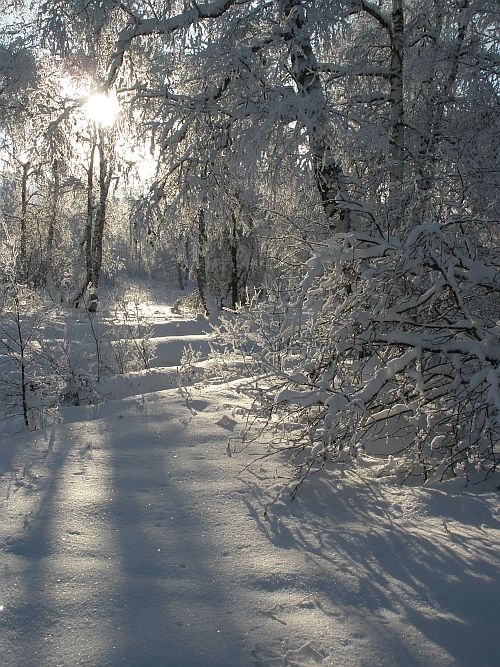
point(102, 108)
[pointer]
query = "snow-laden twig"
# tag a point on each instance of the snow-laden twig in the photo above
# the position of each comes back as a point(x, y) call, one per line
point(390, 350)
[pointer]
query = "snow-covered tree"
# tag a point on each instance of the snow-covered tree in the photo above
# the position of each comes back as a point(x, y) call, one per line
point(364, 131)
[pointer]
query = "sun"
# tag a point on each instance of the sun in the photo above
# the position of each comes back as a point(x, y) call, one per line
point(102, 108)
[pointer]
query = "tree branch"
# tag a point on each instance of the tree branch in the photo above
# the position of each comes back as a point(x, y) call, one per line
point(377, 14)
point(209, 10)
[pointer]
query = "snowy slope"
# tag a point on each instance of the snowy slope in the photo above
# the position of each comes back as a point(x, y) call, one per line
point(129, 537)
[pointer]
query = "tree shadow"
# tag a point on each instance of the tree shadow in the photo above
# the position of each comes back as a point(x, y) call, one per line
point(114, 565)
point(174, 604)
point(403, 578)
point(33, 545)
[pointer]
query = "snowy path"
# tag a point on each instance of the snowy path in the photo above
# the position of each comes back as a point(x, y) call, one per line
point(128, 538)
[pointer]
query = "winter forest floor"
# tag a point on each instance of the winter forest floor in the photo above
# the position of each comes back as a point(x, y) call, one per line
point(129, 537)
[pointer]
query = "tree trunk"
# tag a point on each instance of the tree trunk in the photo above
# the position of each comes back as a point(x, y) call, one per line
point(234, 265)
point(21, 343)
point(87, 235)
point(105, 173)
point(201, 268)
point(96, 219)
point(180, 276)
point(90, 213)
point(330, 179)
point(397, 135)
point(47, 261)
point(23, 240)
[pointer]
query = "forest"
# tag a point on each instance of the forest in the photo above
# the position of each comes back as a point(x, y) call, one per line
point(249, 255)
point(325, 171)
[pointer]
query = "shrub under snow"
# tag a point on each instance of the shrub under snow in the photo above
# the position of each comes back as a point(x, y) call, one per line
point(391, 350)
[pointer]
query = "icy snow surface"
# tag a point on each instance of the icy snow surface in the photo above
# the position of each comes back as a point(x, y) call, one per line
point(129, 537)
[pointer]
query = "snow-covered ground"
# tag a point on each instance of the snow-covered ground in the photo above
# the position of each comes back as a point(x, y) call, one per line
point(128, 536)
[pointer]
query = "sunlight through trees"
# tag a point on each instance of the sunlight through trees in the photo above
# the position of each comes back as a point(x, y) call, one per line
point(322, 175)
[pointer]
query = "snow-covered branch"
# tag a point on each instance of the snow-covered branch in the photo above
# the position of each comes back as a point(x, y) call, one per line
point(155, 26)
point(376, 13)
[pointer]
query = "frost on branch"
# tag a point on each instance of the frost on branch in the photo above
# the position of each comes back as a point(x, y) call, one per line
point(390, 352)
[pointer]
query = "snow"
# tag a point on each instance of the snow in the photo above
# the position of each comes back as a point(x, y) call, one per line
point(130, 537)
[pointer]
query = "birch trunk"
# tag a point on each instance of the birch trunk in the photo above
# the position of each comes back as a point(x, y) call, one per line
point(330, 179)
point(396, 102)
point(87, 235)
point(105, 174)
point(48, 263)
point(201, 268)
point(90, 214)
point(96, 218)
point(23, 231)
point(234, 264)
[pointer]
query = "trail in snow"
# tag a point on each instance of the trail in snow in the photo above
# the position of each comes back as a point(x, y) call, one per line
point(128, 537)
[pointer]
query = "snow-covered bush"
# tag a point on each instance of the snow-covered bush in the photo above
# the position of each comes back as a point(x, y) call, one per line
point(29, 386)
point(391, 350)
point(188, 371)
point(51, 357)
point(188, 304)
point(134, 348)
